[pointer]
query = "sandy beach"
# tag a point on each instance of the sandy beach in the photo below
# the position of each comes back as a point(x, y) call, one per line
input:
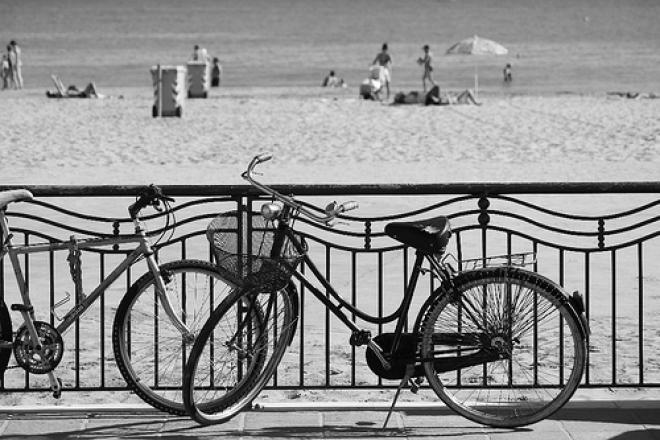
point(329, 136)
point(568, 137)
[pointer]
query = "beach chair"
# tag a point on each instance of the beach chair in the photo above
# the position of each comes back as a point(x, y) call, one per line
point(59, 86)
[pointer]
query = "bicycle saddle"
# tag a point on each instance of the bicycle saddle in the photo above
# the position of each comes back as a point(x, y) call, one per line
point(429, 236)
point(14, 195)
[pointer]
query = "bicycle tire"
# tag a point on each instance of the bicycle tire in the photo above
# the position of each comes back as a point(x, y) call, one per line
point(237, 352)
point(150, 352)
point(5, 336)
point(526, 316)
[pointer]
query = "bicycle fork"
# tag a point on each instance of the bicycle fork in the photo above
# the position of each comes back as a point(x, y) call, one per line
point(162, 279)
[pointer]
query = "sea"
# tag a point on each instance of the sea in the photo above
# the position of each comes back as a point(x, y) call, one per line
point(554, 46)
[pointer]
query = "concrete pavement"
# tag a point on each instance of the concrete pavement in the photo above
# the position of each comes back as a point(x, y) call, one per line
point(590, 420)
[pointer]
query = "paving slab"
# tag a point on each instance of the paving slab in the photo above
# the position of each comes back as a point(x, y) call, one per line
point(580, 420)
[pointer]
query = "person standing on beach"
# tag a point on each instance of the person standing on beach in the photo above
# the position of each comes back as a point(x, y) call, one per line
point(5, 72)
point(196, 55)
point(384, 59)
point(15, 64)
point(507, 74)
point(216, 73)
point(427, 62)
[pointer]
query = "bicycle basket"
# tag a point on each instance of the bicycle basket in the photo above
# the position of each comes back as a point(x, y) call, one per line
point(243, 252)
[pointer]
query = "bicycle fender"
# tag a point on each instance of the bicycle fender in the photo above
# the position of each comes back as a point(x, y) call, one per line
point(577, 303)
point(574, 303)
point(295, 301)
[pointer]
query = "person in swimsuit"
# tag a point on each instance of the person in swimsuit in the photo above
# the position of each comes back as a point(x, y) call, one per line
point(434, 97)
point(15, 64)
point(427, 62)
point(384, 59)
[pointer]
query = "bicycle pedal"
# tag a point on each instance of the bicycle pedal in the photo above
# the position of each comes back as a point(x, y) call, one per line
point(57, 389)
point(415, 384)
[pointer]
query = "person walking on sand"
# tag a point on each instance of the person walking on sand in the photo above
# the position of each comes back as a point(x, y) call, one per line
point(507, 73)
point(427, 63)
point(384, 59)
point(15, 64)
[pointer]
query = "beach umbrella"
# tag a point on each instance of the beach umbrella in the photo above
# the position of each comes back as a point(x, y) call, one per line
point(477, 46)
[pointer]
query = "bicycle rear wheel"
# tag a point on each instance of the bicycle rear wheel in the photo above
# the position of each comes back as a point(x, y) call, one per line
point(534, 346)
point(237, 352)
point(150, 351)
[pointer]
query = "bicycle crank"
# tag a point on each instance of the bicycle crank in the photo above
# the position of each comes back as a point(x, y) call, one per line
point(42, 356)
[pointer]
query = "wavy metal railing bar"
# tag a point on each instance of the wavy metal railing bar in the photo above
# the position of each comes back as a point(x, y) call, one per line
point(482, 218)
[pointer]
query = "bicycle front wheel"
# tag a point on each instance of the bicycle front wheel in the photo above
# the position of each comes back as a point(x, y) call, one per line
point(506, 350)
point(150, 351)
point(237, 352)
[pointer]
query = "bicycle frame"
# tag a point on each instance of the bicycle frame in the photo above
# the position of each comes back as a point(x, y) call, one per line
point(83, 303)
point(359, 336)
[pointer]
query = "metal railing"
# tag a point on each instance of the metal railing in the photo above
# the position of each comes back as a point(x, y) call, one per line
point(598, 238)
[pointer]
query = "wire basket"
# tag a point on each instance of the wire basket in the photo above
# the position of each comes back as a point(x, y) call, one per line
point(243, 251)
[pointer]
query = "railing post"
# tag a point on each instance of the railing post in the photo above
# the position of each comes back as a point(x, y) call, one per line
point(484, 220)
point(601, 233)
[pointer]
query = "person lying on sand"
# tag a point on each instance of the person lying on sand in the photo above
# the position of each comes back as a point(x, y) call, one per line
point(88, 92)
point(73, 91)
point(434, 97)
point(413, 97)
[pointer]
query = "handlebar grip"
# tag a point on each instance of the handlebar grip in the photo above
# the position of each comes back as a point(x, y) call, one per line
point(348, 206)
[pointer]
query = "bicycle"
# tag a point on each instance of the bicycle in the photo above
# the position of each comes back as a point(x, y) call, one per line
point(500, 345)
point(155, 322)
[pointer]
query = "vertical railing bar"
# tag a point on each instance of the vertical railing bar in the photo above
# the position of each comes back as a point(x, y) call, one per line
point(613, 261)
point(483, 220)
point(535, 249)
point(354, 276)
point(328, 340)
point(379, 295)
point(587, 301)
point(184, 302)
point(640, 309)
point(51, 287)
point(562, 264)
point(459, 250)
point(26, 274)
point(301, 361)
point(129, 331)
point(509, 312)
point(102, 320)
point(381, 298)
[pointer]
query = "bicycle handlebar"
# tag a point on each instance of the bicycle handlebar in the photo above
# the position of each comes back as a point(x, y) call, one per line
point(153, 196)
point(332, 211)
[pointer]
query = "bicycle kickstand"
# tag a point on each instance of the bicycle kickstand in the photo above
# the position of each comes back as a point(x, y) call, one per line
point(410, 370)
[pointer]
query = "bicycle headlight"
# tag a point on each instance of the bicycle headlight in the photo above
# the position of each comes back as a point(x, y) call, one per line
point(271, 211)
